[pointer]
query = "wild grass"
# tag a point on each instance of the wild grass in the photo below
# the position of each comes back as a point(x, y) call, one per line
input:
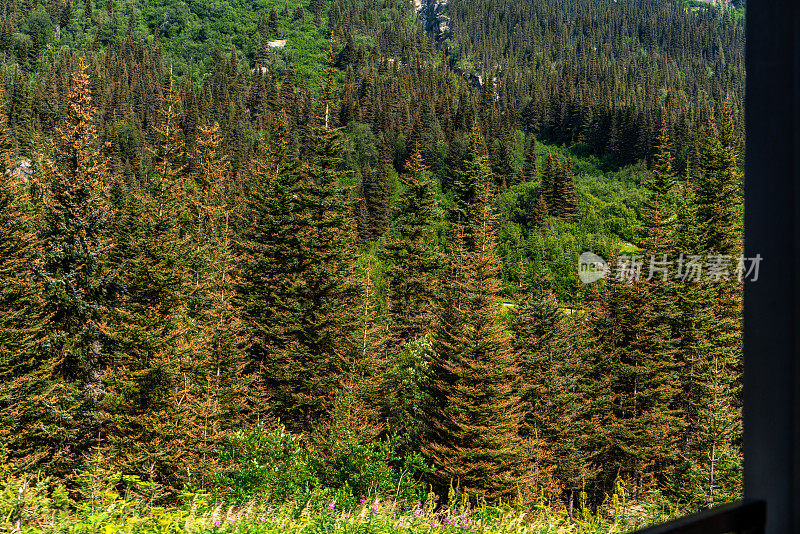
point(26, 507)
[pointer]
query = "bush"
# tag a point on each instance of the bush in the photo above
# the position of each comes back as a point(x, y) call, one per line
point(23, 502)
point(358, 469)
point(278, 467)
point(269, 463)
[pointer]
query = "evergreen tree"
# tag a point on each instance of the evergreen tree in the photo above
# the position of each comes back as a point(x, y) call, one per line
point(633, 419)
point(710, 326)
point(473, 418)
point(273, 22)
point(60, 422)
point(269, 250)
point(469, 183)
point(547, 181)
point(501, 157)
point(224, 392)
point(529, 170)
point(147, 411)
point(297, 292)
point(717, 190)
point(410, 250)
point(550, 402)
point(709, 355)
point(21, 320)
point(565, 198)
point(657, 215)
point(375, 193)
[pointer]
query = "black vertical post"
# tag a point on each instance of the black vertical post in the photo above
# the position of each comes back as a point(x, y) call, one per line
point(772, 229)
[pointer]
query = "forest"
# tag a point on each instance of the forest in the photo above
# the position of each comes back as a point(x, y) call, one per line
point(318, 263)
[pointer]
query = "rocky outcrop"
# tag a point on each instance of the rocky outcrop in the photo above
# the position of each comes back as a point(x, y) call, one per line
point(432, 14)
point(474, 80)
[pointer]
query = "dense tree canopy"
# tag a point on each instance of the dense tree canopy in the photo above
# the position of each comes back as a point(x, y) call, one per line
point(204, 229)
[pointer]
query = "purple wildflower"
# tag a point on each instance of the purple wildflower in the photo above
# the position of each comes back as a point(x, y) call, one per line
point(362, 500)
point(216, 523)
point(331, 506)
point(417, 511)
point(374, 508)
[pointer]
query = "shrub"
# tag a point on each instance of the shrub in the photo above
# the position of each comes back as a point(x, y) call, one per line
point(278, 467)
point(369, 469)
point(23, 502)
point(267, 462)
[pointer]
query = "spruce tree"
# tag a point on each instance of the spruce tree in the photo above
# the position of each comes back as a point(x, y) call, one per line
point(470, 182)
point(472, 421)
point(21, 321)
point(550, 403)
point(61, 423)
point(375, 195)
point(711, 323)
point(657, 215)
point(547, 183)
point(410, 251)
point(529, 170)
point(632, 355)
point(717, 189)
point(223, 393)
point(565, 197)
point(296, 287)
point(147, 411)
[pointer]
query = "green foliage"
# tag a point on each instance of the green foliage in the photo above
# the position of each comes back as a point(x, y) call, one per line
point(371, 469)
point(244, 296)
point(32, 510)
point(269, 463)
point(25, 501)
